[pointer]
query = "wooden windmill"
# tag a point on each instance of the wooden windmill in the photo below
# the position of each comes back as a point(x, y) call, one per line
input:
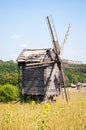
point(42, 74)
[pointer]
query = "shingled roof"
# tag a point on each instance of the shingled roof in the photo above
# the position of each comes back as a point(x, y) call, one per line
point(32, 55)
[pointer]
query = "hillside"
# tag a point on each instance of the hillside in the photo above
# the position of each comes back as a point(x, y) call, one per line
point(9, 73)
point(75, 73)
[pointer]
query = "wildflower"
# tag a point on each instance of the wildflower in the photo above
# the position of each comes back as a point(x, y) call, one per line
point(45, 112)
point(33, 102)
point(47, 106)
point(12, 106)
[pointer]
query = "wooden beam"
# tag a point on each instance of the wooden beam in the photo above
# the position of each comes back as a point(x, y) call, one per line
point(37, 64)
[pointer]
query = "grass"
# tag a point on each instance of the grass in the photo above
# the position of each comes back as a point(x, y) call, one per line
point(57, 116)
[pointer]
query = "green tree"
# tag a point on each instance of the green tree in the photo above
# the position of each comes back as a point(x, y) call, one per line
point(9, 93)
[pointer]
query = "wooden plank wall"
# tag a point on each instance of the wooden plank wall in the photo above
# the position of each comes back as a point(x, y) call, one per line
point(52, 80)
point(33, 81)
point(41, 81)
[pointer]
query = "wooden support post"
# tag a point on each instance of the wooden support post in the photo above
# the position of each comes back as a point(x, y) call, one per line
point(19, 75)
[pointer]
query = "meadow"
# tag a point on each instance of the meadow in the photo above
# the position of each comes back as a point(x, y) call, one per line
point(39, 116)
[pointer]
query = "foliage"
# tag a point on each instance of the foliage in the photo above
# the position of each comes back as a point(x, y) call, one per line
point(8, 67)
point(9, 78)
point(56, 116)
point(75, 73)
point(9, 93)
point(8, 73)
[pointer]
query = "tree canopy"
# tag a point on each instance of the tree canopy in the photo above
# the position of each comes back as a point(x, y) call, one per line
point(75, 73)
point(8, 73)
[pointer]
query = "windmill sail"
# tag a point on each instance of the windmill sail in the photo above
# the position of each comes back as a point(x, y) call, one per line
point(53, 36)
point(65, 38)
point(57, 52)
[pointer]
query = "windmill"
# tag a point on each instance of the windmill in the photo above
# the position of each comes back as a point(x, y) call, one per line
point(58, 51)
point(41, 69)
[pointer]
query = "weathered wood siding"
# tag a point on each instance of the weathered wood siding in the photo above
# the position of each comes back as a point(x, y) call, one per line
point(51, 76)
point(33, 81)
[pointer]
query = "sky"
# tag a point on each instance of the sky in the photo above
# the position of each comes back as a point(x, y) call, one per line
point(23, 25)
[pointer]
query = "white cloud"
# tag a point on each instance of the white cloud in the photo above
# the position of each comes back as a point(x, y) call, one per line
point(23, 45)
point(15, 36)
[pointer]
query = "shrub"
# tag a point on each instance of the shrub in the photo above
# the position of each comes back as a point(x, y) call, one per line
point(9, 93)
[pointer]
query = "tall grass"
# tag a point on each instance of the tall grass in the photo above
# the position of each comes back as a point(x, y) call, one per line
point(57, 116)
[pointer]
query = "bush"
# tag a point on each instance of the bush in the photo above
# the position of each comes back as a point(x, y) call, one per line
point(9, 93)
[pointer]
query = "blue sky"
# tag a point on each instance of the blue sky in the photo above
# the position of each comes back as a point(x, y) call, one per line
point(23, 25)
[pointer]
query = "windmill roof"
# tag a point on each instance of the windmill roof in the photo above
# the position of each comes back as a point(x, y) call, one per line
point(32, 55)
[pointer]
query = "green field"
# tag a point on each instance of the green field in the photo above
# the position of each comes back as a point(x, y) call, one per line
point(57, 116)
